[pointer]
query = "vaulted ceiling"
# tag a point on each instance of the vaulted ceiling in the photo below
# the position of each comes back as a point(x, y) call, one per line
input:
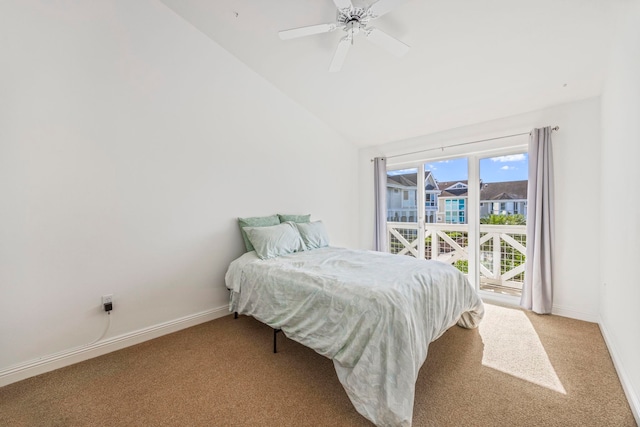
point(470, 61)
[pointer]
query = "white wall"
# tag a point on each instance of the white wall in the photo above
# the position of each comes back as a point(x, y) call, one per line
point(576, 150)
point(129, 144)
point(620, 233)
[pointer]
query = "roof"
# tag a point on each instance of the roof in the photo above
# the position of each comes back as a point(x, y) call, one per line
point(509, 190)
point(504, 190)
point(408, 179)
point(443, 185)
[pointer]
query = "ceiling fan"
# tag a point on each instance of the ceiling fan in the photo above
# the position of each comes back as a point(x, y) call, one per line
point(354, 20)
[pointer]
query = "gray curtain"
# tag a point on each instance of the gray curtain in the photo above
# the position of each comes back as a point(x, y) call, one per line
point(380, 198)
point(537, 291)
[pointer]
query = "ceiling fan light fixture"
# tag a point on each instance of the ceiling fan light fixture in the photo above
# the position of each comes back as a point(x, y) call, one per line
point(344, 17)
point(354, 20)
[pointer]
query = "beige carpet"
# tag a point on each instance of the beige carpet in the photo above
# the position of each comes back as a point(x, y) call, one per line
point(518, 369)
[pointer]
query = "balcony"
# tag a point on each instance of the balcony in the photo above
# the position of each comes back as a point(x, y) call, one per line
point(402, 215)
point(502, 250)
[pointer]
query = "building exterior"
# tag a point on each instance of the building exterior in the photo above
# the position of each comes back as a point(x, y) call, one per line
point(447, 202)
point(402, 198)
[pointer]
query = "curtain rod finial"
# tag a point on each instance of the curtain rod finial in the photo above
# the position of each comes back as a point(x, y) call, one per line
point(556, 128)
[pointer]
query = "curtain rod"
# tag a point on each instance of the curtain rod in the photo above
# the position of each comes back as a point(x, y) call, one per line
point(556, 128)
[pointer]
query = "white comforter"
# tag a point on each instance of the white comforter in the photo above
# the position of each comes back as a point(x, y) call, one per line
point(373, 314)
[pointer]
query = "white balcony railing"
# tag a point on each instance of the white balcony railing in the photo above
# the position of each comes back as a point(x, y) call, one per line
point(502, 250)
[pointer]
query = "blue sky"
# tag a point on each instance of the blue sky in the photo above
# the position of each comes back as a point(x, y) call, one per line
point(494, 169)
point(505, 168)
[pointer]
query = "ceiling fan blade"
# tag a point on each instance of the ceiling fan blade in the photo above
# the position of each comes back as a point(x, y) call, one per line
point(381, 7)
point(340, 55)
point(306, 31)
point(386, 42)
point(343, 4)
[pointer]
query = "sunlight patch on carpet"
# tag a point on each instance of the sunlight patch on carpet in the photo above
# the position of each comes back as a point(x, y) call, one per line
point(512, 346)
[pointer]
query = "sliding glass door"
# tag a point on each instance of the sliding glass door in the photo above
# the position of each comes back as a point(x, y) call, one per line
point(402, 210)
point(503, 217)
point(447, 232)
point(469, 212)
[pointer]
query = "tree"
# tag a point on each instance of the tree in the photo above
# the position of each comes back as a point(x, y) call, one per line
point(493, 219)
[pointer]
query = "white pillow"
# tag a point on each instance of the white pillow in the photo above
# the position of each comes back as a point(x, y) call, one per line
point(275, 240)
point(314, 234)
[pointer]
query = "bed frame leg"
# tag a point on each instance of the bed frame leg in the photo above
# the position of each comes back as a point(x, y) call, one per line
point(235, 314)
point(275, 341)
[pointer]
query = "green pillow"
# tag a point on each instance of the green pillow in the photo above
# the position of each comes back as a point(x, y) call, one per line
point(275, 240)
point(314, 234)
point(256, 221)
point(295, 218)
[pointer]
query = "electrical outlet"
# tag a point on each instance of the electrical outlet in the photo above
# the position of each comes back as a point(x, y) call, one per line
point(107, 303)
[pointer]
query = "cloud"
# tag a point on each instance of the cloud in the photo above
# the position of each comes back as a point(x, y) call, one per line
point(506, 168)
point(510, 158)
point(402, 171)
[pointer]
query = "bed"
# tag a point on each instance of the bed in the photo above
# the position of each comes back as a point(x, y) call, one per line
point(374, 314)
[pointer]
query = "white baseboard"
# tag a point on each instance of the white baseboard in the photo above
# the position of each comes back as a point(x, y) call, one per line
point(78, 354)
point(632, 395)
point(574, 314)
